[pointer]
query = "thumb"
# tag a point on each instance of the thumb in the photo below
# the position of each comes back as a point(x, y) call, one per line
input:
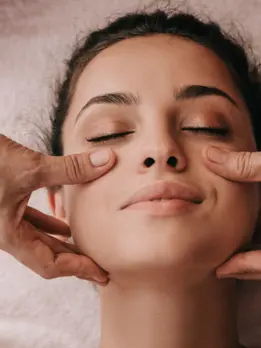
point(241, 264)
point(233, 165)
point(75, 168)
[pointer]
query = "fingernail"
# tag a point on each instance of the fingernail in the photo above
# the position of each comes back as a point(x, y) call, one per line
point(100, 158)
point(100, 278)
point(103, 283)
point(216, 155)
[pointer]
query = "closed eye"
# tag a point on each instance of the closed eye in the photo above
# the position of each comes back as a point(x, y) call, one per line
point(107, 137)
point(208, 130)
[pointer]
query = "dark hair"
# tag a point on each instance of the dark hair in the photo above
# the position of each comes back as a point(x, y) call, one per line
point(244, 70)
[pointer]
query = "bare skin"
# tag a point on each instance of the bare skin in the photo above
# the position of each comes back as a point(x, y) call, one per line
point(163, 290)
point(35, 239)
point(240, 166)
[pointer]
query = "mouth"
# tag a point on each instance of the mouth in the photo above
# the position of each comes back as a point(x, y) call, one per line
point(164, 198)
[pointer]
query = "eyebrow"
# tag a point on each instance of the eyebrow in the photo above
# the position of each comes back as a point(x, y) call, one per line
point(119, 98)
point(195, 91)
point(185, 93)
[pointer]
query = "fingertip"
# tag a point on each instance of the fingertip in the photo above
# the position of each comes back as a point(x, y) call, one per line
point(215, 154)
point(100, 158)
point(112, 155)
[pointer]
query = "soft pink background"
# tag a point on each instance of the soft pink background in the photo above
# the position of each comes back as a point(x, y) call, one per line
point(35, 37)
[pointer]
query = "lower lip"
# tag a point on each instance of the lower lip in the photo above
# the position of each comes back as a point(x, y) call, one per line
point(168, 207)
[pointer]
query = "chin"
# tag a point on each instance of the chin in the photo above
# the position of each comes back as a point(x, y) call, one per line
point(140, 259)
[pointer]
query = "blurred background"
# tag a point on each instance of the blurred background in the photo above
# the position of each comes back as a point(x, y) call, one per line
point(36, 36)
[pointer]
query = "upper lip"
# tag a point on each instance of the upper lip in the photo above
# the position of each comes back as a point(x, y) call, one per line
point(165, 190)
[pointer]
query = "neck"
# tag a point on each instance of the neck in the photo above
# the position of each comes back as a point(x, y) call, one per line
point(165, 315)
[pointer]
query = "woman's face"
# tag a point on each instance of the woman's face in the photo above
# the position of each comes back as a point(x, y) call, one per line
point(156, 110)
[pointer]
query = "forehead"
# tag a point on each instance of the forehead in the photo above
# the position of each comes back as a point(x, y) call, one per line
point(153, 67)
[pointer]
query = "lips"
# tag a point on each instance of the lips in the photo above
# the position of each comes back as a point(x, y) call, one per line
point(165, 190)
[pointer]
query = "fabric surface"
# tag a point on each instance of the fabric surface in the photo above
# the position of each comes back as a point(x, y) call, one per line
point(35, 38)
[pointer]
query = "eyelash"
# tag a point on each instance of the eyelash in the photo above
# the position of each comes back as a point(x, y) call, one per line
point(108, 137)
point(209, 130)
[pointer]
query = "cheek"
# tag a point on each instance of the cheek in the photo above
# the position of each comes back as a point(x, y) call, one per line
point(223, 225)
point(87, 207)
point(234, 217)
point(231, 207)
point(238, 203)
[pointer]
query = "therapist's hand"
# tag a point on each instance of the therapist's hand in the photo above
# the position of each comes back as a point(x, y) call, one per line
point(243, 167)
point(26, 233)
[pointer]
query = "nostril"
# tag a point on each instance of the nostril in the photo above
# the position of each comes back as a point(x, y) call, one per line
point(149, 161)
point(172, 161)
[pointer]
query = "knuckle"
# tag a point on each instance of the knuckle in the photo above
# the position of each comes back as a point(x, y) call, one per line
point(81, 269)
point(27, 175)
point(84, 268)
point(73, 167)
point(46, 275)
point(37, 176)
point(47, 271)
point(244, 164)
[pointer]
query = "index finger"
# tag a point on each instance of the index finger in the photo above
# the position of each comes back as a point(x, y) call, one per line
point(234, 165)
point(46, 223)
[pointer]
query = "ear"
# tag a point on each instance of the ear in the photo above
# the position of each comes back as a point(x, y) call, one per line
point(56, 204)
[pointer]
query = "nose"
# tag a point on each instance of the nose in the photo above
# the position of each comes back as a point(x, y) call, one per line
point(162, 152)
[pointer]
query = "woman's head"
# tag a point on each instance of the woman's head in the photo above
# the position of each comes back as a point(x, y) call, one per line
point(155, 80)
